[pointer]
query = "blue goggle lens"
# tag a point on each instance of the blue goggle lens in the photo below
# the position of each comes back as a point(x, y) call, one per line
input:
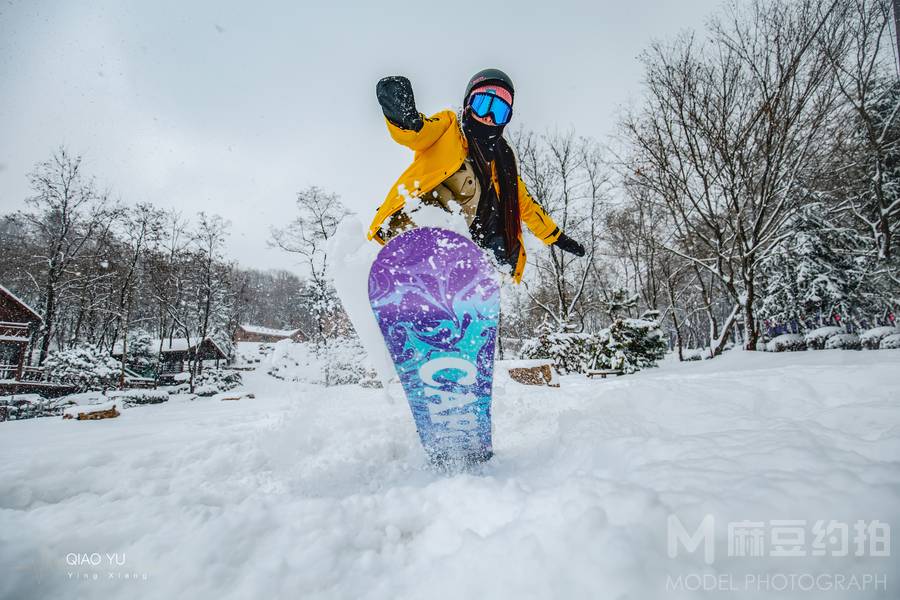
point(485, 104)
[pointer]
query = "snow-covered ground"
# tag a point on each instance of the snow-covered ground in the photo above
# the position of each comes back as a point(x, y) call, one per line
point(307, 492)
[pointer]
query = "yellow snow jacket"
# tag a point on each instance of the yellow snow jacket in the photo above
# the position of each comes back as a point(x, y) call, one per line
point(440, 149)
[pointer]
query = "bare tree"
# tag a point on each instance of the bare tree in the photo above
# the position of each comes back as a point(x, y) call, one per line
point(863, 72)
point(211, 285)
point(306, 236)
point(727, 134)
point(67, 213)
point(568, 177)
point(167, 277)
point(142, 228)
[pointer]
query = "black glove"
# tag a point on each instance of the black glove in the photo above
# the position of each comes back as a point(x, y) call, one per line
point(567, 244)
point(397, 102)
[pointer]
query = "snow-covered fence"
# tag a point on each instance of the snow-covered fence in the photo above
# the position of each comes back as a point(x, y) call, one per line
point(29, 373)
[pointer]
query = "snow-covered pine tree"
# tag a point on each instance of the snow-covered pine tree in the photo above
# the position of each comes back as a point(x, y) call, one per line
point(569, 352)
point(141, 353)
point(811, 274)
point(627, 344)
point(307, 236)
point(619, 303)
point(631, 345)
point(84, 367)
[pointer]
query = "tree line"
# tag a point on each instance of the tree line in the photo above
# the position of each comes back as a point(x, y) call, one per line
point(98, 270)
point(753, 188)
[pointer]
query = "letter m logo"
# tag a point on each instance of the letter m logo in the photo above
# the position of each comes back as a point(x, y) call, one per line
point(705, 533)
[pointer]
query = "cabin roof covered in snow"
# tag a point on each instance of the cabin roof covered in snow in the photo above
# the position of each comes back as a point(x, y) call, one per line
point(172, 345)
point(20, 302)
point(269, 331)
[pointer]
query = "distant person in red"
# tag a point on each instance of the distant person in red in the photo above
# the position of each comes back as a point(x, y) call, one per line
point(465, 163)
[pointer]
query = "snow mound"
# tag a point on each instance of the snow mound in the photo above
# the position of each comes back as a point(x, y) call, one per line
point(84, 398)
point(341, 361)
point(308, 492)
point(131, 398)
point(695, 353)
point(251, 354)
point(872, 337)
point(815, 339)
point(890, 342)
point(843, 341)
point(786, 342)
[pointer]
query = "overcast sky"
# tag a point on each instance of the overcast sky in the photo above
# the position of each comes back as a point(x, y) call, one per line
point(227, 109)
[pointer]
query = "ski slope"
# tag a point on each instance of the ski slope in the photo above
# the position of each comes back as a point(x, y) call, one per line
point(307, 492)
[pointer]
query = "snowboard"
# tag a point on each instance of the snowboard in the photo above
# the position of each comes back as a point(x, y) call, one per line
point(436, 299)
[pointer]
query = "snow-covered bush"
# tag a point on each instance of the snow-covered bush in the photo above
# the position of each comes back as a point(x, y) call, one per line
point(890, 342)
point(570, 352)
point(343, 364)
point(872, 338)
point(808, 272)
point(690, 354)
point(786, 342)
point(340, 361)
point(84, 367)
point(20, 406)
point(843, 341)
point(29, 406)
point(628, 344)
point(632, 345)
point(129, 398)
point(815, 339)
point(54, 407)
point(213, 381)
point(141, 353)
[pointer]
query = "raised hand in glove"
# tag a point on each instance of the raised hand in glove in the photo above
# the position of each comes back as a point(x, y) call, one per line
point(567, 244)
point(398, 104)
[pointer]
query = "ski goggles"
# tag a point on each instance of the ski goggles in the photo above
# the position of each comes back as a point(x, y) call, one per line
point(486, 103)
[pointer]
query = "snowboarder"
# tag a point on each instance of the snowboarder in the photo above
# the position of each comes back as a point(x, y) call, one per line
point(466, 161)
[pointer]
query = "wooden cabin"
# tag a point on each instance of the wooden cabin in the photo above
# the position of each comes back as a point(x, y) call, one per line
point(17, 323)
point(176, 353)
point(255, 333)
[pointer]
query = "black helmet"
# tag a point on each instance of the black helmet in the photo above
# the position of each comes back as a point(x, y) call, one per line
point(487, 76)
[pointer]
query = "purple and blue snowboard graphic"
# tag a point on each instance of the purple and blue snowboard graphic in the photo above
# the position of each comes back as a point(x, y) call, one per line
point(436, 299)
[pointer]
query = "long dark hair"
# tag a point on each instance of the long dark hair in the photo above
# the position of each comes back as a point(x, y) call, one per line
point(482, 152)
